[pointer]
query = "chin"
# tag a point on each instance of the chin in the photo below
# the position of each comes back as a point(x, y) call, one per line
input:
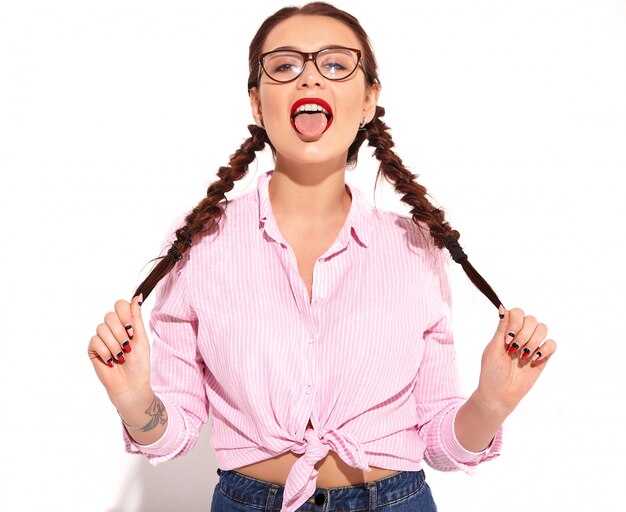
point(313, 154)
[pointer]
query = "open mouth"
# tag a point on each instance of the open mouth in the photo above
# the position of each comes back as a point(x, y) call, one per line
point(311, 116)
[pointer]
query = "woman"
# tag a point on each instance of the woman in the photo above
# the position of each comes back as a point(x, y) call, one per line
point(300, 303)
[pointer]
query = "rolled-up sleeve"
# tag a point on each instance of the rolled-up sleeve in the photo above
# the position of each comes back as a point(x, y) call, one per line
point(177, 368)
point(437, 389)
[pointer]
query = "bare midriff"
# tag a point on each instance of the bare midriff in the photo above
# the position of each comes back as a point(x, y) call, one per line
point(333, 471)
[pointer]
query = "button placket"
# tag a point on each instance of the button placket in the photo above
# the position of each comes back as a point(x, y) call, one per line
point(307, 341)
point(309, 338)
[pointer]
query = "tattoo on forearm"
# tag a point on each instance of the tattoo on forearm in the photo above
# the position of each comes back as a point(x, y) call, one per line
point(157, 412)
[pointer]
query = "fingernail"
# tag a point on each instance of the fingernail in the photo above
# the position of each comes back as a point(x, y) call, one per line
point(126, 346)
point(525, 353)
point(513, 348)
point(129, 329)
point(512, 335)
point(536, 356)
point(501, 311)
point(140, 301)
point(120, 357)
point(110, 362)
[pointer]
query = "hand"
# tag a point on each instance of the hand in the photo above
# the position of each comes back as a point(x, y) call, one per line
point(123, 368)
point(512, 364)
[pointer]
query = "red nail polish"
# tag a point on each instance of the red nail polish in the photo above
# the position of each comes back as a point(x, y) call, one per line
point(126, 346)
point(525, 354)
point(120, 357)
point(514, 346)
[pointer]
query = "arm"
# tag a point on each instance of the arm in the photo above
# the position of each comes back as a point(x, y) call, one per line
point(511, 364)
point(147, 412)
point(179, 404)
point(440, 404)
point(477, 422)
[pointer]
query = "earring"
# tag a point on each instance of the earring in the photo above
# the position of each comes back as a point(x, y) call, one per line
point(259, 124)
point(365, 121)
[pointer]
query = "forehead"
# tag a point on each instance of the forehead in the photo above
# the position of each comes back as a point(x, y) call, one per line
point(310, 33)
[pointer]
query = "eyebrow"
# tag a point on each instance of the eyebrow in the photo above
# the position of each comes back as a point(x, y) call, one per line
point(295, 48)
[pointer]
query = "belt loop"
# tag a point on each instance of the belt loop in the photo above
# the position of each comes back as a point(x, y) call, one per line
point(373, 495)
point(271, 497)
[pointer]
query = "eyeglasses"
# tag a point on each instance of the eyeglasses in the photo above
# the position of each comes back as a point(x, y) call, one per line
point(335, 63)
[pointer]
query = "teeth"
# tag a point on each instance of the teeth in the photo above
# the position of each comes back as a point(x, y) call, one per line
point(311, 107)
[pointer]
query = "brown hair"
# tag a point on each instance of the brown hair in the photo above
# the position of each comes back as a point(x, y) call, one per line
point(208, 212)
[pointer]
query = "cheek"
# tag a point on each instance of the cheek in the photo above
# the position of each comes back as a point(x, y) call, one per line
point(347, 119)
point(350, 108)
point(273, 108)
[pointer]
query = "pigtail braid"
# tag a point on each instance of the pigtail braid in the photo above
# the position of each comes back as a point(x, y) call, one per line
point(207, 214)
point(415, 195)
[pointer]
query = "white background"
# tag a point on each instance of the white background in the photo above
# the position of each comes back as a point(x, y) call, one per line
point(114, 118)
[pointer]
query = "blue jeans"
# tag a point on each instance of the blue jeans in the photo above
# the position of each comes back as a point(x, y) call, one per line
point(405, 491)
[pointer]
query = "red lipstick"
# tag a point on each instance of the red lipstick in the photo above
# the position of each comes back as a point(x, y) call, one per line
point(317, 101)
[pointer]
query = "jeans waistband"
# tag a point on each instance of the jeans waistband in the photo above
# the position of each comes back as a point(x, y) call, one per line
point(367, 496)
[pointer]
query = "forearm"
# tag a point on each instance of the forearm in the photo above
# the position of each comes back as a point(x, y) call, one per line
point(146, 411)
point(477, 422)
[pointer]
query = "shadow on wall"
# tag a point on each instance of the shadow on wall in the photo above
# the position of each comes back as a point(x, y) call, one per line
point(185, 483)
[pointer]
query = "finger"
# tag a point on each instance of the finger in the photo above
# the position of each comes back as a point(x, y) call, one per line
point(538, 335)
point(504, 320)
point(524, 334)
point(544, 352)
point(98, 350)
point(118, 330)
point(515, 321)
point(110, 341)
point(136, 319)
point(122, 308)
point(501, 329)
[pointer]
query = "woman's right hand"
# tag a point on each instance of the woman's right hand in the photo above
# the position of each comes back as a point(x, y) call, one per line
point(127, 375)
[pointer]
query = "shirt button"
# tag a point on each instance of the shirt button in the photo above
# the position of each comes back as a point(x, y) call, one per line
point(308, 388)
point(311, 340)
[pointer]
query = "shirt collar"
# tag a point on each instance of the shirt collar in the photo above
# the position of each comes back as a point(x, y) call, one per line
point(358, 222)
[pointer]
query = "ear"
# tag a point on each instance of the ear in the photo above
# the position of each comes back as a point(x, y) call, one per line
point(255, 104)
point(371, 100)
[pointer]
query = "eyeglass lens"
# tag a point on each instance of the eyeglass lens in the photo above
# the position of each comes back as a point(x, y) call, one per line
point(333, 64)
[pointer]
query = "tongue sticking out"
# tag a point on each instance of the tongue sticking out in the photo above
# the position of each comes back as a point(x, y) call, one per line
point(311, 125)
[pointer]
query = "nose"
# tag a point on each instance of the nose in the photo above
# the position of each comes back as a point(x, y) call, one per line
point(310, 75)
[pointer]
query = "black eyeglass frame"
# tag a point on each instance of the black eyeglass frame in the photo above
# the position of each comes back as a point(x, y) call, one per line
point(307, 56)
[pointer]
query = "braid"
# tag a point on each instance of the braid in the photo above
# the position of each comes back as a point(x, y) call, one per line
point(209, 211)
point(414, 195)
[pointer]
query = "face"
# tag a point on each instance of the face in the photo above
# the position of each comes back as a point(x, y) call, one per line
point(350, 99)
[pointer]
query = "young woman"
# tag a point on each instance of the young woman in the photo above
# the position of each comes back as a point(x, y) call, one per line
point(316, 327)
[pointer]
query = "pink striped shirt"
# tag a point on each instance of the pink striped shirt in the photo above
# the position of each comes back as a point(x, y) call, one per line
point(370, 360)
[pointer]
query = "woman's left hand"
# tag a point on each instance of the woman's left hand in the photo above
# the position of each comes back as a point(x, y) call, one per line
point(514, 359)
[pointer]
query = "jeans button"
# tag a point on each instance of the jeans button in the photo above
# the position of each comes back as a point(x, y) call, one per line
point(320, 499)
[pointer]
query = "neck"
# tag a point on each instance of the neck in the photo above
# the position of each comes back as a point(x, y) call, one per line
point(312, 196)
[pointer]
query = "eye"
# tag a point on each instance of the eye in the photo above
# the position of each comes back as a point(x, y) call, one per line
point(334, 66)
point(283, 63)
point(337, 62)
point(283, 66)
